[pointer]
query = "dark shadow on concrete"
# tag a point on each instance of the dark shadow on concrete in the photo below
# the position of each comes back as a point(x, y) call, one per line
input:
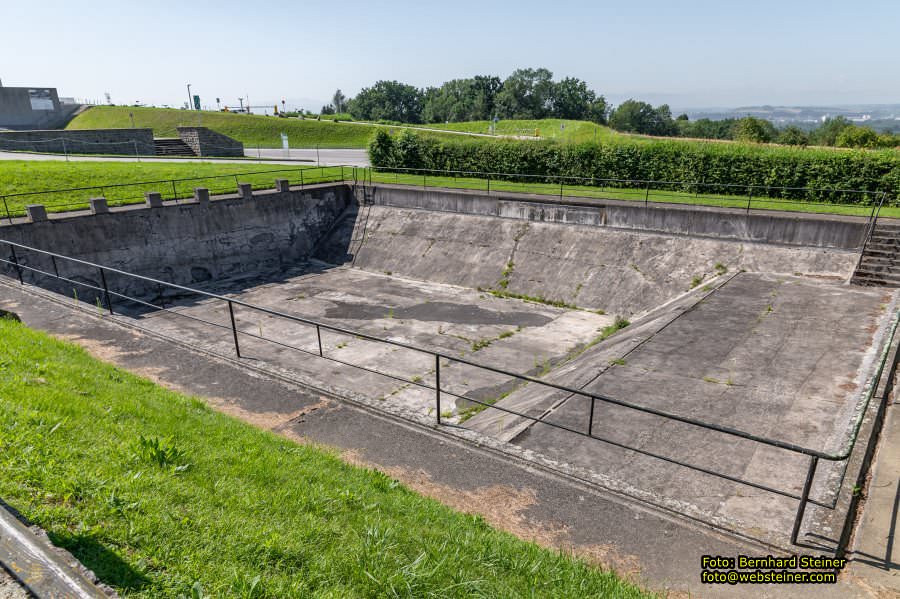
point(105, 563)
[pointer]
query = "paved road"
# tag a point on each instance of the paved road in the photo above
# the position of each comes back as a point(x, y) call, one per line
point(347, 157)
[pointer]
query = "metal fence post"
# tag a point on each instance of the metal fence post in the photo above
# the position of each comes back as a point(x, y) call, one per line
point(55, 268)
point(9, 216)
point(749, 197)
point(301, 178)
point(437, 385)
point(647, 195)
point(591, 417)
point(16, 263)
point(319, 337)
point(237, 347)
point(106, 291)
point(489, 185)
point(561, 188)
point(798, 520)
point(174, 192)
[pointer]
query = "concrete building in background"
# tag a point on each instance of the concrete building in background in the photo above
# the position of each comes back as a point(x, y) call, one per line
point(33, 108)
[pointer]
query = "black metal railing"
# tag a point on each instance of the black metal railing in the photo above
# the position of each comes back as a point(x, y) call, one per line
point(19, 266)
point(747, 197)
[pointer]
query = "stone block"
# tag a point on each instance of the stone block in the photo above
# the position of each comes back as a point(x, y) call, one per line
point(154, 199)
point(99, 206)
point(36, 212)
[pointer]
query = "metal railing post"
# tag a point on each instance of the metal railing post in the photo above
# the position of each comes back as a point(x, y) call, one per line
point(106, 291)
point(237, 347)
point(174, 192)
point(437, 386)
point(319, 337)
point(561, 182)
point(647, 195)
point(489, 185)
point(591, 418)
point(55, 268)
point(804, 497)
point(15, 260)
point(301, 178)
point(749, 197)
point(6, 207)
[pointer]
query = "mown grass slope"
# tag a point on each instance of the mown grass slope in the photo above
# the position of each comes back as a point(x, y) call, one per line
point(106, 179)
point(163, 497)
point(251, 129)
point(558, 129)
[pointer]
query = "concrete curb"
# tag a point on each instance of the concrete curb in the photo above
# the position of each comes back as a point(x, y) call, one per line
point(37, 565)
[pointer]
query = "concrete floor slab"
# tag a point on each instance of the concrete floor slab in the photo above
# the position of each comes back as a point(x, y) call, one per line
point(775, 356)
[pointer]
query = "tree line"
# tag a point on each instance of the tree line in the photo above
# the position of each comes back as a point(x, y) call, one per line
point(634, 116)
point(525, 94)
point(532, 94)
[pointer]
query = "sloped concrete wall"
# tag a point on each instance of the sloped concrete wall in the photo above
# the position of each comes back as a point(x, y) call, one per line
point(186, 243)
point(602, 268)
point(768, 227)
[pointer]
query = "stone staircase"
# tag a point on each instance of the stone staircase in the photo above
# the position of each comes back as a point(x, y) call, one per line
point(880, 261)
point(171, 146)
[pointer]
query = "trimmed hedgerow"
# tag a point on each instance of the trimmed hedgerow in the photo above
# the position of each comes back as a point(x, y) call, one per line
point(717, 166)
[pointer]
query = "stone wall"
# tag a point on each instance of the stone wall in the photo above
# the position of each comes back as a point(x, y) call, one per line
point(187, 243)
point(80, 141)
point(206, 142)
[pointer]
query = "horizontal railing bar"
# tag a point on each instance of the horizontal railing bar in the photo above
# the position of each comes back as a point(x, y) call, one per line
point(599, 397)
point(615, 180)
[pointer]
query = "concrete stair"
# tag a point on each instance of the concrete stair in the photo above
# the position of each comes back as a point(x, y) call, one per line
point(171, 146)
point(880, 263)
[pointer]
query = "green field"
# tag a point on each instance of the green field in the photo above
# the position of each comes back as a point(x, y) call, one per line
point(22, 176)
point(253, 130)
point(162, 497)
point(558, 129)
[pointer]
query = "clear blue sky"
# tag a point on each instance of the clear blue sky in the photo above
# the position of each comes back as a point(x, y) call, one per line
point(689, 54)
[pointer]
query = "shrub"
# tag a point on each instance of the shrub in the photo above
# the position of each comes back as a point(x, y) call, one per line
point(718, 166)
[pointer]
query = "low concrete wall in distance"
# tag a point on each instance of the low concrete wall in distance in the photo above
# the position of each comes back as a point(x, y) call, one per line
point(721, 223)
point(186, 243)
point(80, 141)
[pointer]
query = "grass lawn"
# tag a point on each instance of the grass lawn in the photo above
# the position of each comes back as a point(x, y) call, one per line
point(634, 194)
point(159, 495)
point(559, 129)
point(251, 129)
point(21, 176)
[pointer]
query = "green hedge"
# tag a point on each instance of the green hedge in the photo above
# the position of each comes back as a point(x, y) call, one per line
point(715, 165)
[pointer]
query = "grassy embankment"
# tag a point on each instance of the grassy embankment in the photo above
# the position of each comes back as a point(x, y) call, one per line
point(251, 129)
point(24, 176)
point(558, 129)
point(162, 496)
point(21, 176)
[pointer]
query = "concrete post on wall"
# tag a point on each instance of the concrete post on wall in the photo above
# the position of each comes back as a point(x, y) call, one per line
point(201, 195)
point(245, 190)
point(36, 212)
point(154, 199)
point(99, 206)
point(282, 185)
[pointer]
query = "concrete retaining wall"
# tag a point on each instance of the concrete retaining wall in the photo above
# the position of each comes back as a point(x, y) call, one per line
point(802, 229)
point(80, 141)
point(182, 243)
point(206, 142)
